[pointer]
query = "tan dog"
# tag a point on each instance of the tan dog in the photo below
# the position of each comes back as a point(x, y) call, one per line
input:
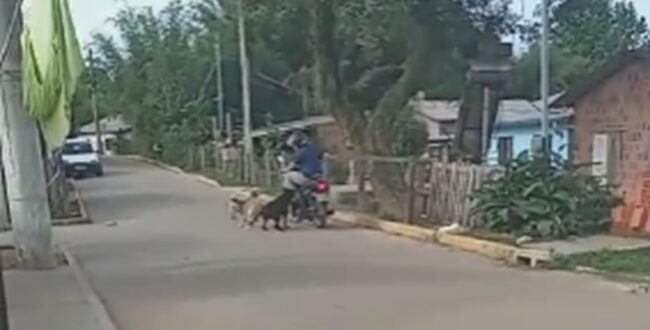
point(245, 208)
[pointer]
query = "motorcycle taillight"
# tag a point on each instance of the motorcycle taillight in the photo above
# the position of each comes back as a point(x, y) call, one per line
point(322, 187)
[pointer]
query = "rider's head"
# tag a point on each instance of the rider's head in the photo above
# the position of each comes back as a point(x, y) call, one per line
point(297, 138)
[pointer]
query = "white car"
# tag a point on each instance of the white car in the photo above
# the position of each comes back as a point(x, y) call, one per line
point(80, 159)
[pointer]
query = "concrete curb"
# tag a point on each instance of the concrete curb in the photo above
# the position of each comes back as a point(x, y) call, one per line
point(389, 227)
point(198, 177)
point(83, 219)
point(497, 251)
point(104, 321)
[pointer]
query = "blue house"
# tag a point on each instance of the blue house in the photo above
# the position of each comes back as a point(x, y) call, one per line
point(518, 122)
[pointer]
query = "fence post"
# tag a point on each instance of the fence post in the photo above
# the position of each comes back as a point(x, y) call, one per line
point(432, 192)
point(362, 202)
point(202, 158)
point(267, 168)
point(411, 192)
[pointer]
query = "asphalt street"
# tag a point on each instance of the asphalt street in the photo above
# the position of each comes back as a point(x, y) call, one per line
point(164, 255)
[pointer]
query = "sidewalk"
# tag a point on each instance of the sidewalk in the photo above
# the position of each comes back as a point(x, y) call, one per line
point(50, 300)
point(592, 244)
point(58, 299)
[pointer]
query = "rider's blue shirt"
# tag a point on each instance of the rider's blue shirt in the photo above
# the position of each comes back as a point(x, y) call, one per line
point(309, 161)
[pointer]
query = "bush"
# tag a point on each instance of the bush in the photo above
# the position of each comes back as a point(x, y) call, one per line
point(545, 199)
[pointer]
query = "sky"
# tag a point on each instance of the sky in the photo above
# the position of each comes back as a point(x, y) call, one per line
point(91, 15)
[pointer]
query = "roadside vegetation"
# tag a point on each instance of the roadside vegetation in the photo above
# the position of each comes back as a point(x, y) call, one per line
point(634, 262)
point(545, 199)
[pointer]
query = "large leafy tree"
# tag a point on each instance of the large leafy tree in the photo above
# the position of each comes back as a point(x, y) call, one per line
point(594, 30)
point(584, 34)
point(161, 74)
point(598, 29)
point(381, 74)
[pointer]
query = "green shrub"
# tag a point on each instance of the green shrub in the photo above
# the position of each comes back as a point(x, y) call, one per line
point(544, 199)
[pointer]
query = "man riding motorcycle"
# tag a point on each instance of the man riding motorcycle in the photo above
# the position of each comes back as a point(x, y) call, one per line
point(305, 162)
point(305, 168)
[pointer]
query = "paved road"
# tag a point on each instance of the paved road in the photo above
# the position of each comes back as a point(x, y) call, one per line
point(175, 262)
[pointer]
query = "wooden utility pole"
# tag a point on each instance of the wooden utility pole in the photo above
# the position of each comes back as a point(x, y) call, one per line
point(249, 163)
point(93, 102)
point(21, 153)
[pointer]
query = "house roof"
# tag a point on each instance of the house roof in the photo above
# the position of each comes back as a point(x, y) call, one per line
point(297, 124)
point(599, 75)
point(115, 124)
point(512, 113)
point(523, 112)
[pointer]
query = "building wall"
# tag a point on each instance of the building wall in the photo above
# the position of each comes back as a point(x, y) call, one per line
point(621, 106)
point(522, 138)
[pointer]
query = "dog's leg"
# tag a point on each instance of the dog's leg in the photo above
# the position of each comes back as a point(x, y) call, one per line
point(278, 223)
point(285, 221)
point(265, 221)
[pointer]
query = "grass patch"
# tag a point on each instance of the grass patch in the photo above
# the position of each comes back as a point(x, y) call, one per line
point(635, 262)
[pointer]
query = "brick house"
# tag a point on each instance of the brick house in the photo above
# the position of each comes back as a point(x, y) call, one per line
point(612, 131)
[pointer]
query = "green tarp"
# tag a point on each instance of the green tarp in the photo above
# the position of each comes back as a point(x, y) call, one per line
point(52, 64)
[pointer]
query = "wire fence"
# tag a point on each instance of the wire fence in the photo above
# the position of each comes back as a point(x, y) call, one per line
point(429, 192)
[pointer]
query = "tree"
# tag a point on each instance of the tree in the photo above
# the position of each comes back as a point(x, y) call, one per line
point(566, 68)
point(431, 33)
point(595, 29)
point(161, 75)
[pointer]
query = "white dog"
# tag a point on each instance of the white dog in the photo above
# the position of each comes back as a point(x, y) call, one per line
point(245, 208)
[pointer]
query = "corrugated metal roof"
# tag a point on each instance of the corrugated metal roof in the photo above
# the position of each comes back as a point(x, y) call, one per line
point(113, 124)
point(298, 124)
point(515, 112)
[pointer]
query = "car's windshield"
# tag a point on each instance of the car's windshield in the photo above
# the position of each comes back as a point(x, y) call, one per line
point(76, 148)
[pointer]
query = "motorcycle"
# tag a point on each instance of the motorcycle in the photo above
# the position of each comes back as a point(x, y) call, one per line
point(312, 203)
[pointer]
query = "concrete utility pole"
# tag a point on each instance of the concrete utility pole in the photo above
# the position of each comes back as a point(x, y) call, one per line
point(220, 98)
point(93, 103)
point(485, 121)
point(229, 132)
point(21, 153)
point(246, 99)
point(545, 73)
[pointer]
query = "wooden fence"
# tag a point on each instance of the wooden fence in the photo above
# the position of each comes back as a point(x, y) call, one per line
point(435, 193)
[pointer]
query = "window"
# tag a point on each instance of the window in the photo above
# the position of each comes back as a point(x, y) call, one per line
point(571, 144)
point(607, 156)
point(77, 148)
point(505, 149)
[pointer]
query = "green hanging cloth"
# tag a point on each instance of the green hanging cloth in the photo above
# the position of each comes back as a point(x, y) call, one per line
point(52, 65)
